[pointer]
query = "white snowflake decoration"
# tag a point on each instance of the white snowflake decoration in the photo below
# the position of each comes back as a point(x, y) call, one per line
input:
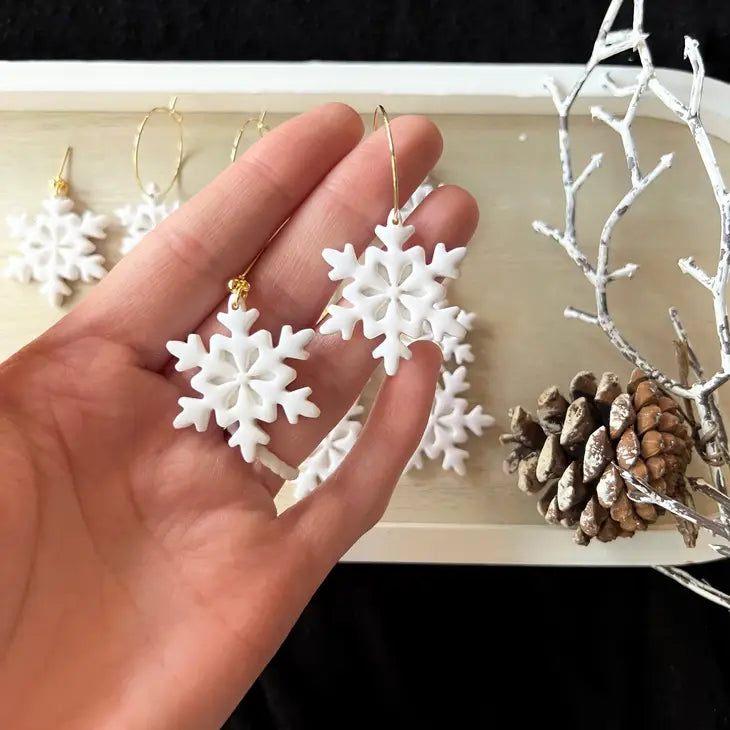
point(450, 424)
point(453, 346)
point(242, 380)
point(394, 293)
point(139, 220)
point(56, 248)
point(329, 454)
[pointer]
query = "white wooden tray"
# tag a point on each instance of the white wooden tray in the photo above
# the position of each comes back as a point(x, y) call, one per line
point(499, 130)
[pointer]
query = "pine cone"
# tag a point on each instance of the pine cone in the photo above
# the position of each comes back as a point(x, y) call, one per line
point(569, 449)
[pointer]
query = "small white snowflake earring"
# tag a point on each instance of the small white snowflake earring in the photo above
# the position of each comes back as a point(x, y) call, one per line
point(56, 246)
point(394, 292)
point(142, 218)
point(243, 379)
point(261, 128)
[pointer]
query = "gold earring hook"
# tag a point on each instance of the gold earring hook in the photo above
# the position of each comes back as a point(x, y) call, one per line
point(153, 190)
point(261, 128)
point(59, 185)
point(380, 110)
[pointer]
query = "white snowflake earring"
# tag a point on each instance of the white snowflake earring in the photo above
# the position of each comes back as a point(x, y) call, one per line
point(242, 380)
point(142, 218)
point(57, 246)
point(394, 292)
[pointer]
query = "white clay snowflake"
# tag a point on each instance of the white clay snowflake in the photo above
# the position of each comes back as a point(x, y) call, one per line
point(450, 424)
point(55, 248)
point(453, 346)
point(329, 454)
point(139, 220)
point(242, 380)
point(394, 293)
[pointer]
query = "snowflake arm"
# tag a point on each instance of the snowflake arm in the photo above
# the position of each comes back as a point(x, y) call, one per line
point(19, 269)
point(453, 346)
point(444, 321)
point(92, 226)
point(329, 454)
point(55, 289)
point(250, 439)
point(296, 403)
point(189, 353)
point(292, 344)
point(450, 425)
point(445, 262)
point(193, 412)
point(392, 351)
point(143, 218)
point(341, 319)
point(344, 263)
point(90, 268)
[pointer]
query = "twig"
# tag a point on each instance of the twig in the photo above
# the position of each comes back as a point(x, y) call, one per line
point(607, 44)
point(642, 491)
point(694, 584)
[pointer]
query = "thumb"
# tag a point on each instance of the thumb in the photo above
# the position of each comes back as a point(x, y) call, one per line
point(324, 525)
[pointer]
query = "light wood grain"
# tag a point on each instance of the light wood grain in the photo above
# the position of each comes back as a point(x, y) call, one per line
point(517, 282)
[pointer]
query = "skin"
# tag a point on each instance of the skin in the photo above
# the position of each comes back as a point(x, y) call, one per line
point(146, 578)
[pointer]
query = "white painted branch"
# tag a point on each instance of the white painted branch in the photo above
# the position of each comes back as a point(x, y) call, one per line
point(681, 333)
point(573, 313)
point(552, 87)
point(570, 247)
point(609, 19)
point(618, 91)
point(695, 585)
point(610, 42)
point(599, 113)
point(589, 169)
point(688, 266)
point(692, 52)
point(642, 491)
point(709, 491)
point(625, 272)
point(723, 550)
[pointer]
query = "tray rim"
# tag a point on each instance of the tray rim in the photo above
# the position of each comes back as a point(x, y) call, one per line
point(210, 87)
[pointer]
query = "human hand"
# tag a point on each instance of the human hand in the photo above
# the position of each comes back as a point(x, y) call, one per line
point(146, 578)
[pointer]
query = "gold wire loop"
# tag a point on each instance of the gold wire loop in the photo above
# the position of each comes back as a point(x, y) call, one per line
point(59, 185)
point(177, 118)
point(380, 111)
point(261, 128)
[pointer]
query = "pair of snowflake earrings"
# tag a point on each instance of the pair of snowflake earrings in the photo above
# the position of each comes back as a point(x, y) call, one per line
point(58, 246)
point(394, 293)
point(139, 220)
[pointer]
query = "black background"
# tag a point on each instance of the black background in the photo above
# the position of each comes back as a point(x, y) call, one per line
point(427, 646)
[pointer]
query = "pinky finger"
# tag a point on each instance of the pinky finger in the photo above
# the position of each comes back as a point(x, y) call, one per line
point(324, 525)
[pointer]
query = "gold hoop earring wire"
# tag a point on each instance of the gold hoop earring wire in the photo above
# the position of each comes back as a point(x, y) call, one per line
point(177, 118)
point(380, 111)
point(261, 128)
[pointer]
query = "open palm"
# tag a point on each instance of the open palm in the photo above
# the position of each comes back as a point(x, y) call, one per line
point(146, 578)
